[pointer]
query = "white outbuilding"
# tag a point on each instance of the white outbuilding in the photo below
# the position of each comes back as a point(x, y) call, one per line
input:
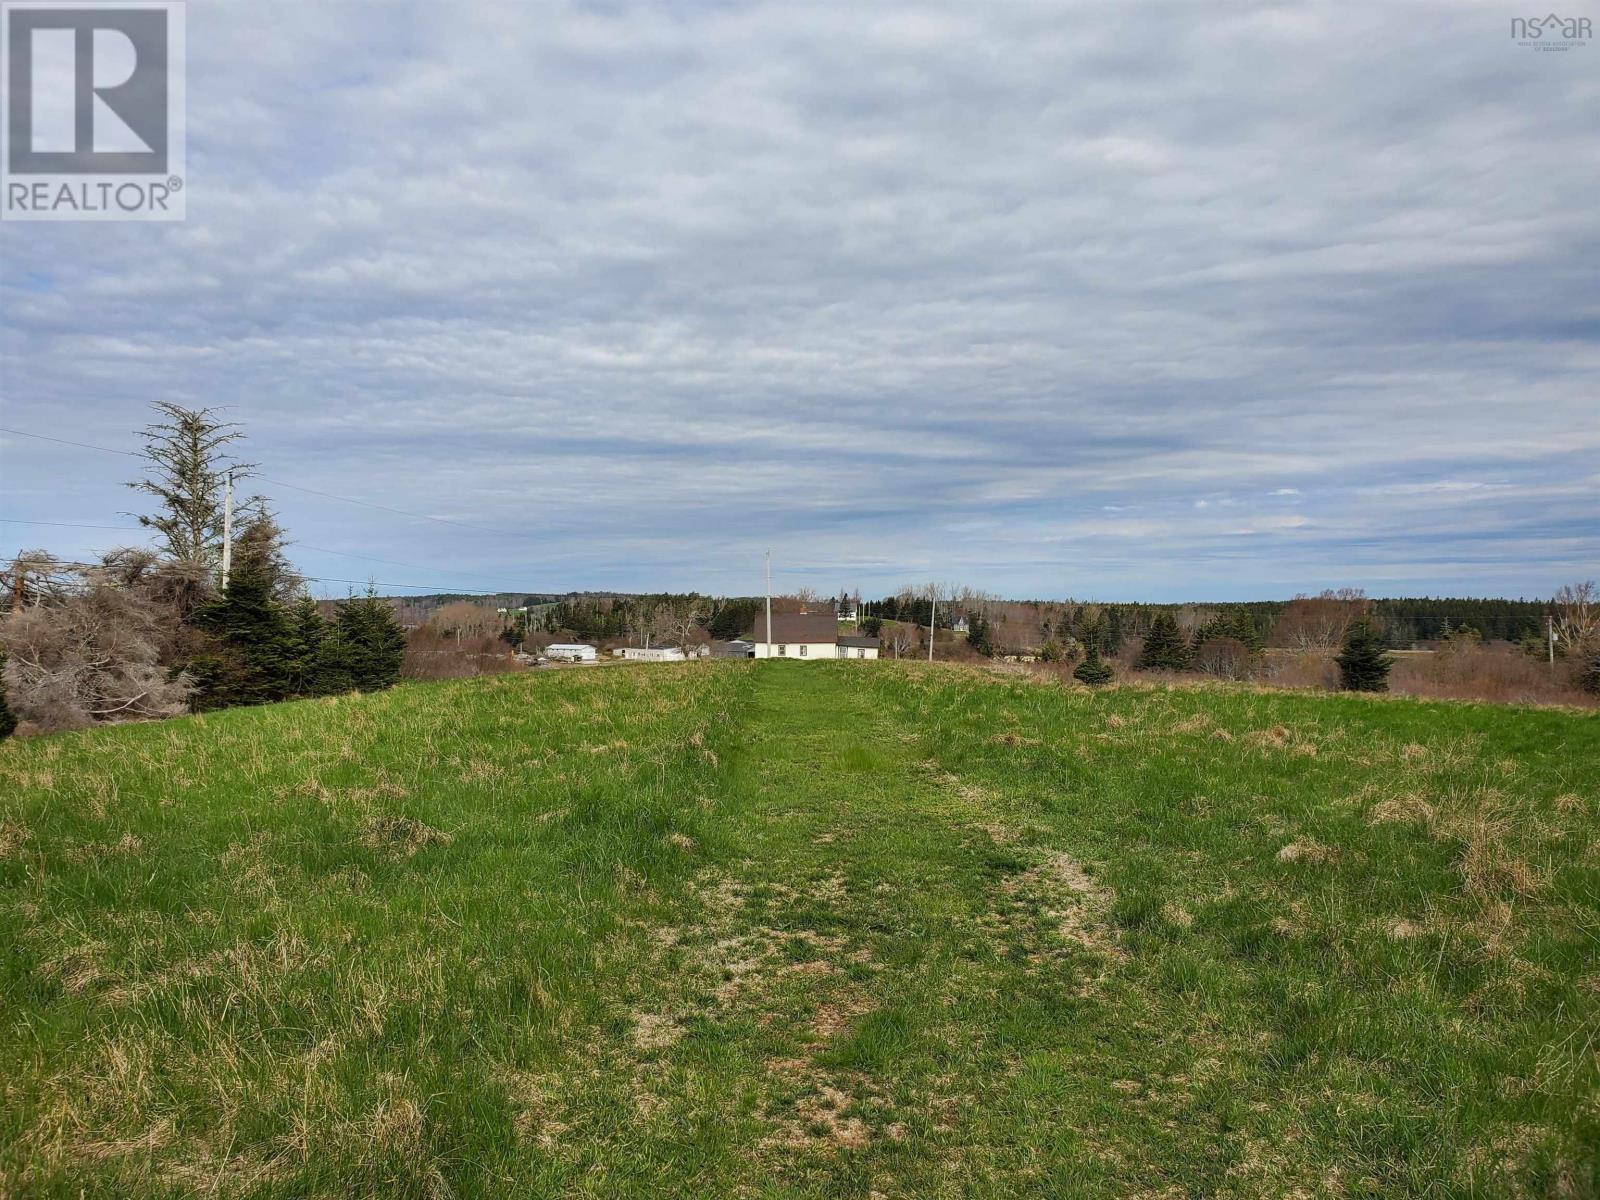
point(657, 653)
point(569, 652)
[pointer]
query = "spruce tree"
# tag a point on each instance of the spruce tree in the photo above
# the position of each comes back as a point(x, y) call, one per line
point(1363, 663)
point(188, 465)
point(253, 636)
point(1114, 637)
point(1243, 627)
point(1164, 646)
point(367, 645)
point(303, 648)
point(1093, 670)
point(8, 719)
point(978, 635)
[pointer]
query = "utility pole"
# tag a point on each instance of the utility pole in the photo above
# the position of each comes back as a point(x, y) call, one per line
point(933, 609)
point(227, 532)
point(769, 603)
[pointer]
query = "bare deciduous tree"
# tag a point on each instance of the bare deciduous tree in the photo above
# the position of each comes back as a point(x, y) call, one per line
point(684, 628)
point(899, 637)
point(1577, 615)
point(1224, 658)
point(463, 619)
point(1319, 622)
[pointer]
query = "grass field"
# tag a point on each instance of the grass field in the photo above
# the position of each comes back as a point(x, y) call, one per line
point(776, 930)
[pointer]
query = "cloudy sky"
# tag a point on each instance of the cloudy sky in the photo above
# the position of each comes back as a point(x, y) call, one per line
point(1122, 301)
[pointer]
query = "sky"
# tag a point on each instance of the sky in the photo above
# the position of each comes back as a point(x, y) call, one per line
point(1106, 301)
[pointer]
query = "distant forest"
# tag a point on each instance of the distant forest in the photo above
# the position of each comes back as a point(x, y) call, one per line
point(1402, 621)
point(1022, 624)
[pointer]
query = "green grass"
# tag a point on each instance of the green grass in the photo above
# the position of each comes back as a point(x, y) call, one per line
point(782, 930)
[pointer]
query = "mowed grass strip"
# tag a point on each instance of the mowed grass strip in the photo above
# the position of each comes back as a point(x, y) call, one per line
point(804, 930)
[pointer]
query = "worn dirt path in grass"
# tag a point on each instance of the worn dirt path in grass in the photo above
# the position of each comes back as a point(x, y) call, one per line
point(872, 965)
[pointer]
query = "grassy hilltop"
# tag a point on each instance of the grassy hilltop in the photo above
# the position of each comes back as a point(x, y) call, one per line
point(780, 930)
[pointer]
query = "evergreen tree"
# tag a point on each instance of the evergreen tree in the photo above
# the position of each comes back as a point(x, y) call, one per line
point(1093, 670)
point(252, 633)
point(260, 546)
point(1096, 633)
point(303, 648)
point(1114, 635)
point(188, 464)
point(1363, 664)
point(366, 647)
point(1164, 646)
point(1242, 625)
point(978, 635)
point(8, 719)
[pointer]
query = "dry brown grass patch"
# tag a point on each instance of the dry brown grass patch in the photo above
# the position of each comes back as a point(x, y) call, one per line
point(1061, 891)
point(12, 838)
point(1406, 808)
point(400, 837)
point(1013, 739)
point(78, 968)
point(655, 1031)
point(1307, 851)
point(1489, 870)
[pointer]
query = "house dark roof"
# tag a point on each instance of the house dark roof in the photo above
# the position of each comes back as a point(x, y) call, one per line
point(867, 643)
point(795, 627)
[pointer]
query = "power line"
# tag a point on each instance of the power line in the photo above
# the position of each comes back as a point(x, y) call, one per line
point(71, 525)
point(398, 511)
point(65, 442)
point(388, 562)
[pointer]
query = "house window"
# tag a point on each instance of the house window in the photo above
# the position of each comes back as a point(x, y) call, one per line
point(783, 651)
point(803, 650)
point(861, 653)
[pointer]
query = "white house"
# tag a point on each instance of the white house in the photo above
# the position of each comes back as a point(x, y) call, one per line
point(807, 635)
point(569, 652)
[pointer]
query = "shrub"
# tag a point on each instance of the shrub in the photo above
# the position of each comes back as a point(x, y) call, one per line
point(1224, 657)
point(1589, 672)
point(93, 652)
